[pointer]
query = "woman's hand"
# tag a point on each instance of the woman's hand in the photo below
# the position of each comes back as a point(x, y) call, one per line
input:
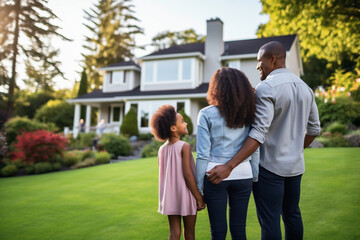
point(200, 204)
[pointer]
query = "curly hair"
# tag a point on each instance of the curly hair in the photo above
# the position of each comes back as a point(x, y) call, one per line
point(231, 91)
point(161, 121)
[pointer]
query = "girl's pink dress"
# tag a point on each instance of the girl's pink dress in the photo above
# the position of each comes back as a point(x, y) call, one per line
point(175, 197)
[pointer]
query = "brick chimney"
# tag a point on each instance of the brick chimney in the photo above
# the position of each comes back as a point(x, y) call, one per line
point(214, 47)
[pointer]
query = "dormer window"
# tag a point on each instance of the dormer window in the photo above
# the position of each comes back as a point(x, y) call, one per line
point(171, 70)
point(116, 77)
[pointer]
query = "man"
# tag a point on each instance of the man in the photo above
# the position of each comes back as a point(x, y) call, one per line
point(286, 122)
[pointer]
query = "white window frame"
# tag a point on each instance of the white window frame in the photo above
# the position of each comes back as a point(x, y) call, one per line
point(123, 79)
point(112, 106)
point(179, 79)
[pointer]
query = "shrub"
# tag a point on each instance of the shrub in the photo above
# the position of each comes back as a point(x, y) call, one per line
point(145, 136)
point(16, 126)
point(87, 154)
point(85, 139)
point(58, 112)
point(71, 158)
point(102, 157)
point(38, 146)
point(43, 167)
point(57, 158)
point(9, 170)
point(151, 149)
point(3, 144)
point(343, 111)
point(116, 145)
point(337, 127)
point(30, 169)
point(187, 119)
point(86, 163)
point(338, 141)
point(56, 166)
point(129, 126)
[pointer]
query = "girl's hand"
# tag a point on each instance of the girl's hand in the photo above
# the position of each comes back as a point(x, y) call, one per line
point(200, 204)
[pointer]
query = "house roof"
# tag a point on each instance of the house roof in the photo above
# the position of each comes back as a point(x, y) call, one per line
point(238, 47)
point(136, 93)
point(252, 45)
point(123, 64)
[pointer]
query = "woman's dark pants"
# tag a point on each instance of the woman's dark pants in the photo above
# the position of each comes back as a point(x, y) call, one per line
point(216, 197)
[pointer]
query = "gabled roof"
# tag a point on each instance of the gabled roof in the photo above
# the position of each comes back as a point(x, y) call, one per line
point(137, 94)
point(252, 45)
point(122, 65)
point(239, 47)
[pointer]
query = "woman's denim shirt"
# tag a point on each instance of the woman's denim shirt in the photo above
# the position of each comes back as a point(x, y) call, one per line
point(218, 143)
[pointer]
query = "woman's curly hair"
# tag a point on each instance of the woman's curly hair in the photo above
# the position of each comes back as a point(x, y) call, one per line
point(161, 121)
point(231, 91)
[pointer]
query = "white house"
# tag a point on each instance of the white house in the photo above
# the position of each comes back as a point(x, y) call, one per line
point(178, 75)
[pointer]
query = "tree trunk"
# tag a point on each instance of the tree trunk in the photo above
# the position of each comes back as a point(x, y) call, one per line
point(12, 82)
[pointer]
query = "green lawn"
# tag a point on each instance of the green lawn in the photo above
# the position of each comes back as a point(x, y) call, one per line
point(119, 201)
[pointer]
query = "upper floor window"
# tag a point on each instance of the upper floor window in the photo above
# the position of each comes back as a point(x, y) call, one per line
point(116, 77)
point(168, 70)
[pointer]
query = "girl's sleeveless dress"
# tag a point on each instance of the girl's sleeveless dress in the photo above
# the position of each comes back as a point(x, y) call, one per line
point(175, 198)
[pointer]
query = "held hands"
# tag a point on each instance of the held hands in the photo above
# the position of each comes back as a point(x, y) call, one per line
point(200, 204)
point(218, 173)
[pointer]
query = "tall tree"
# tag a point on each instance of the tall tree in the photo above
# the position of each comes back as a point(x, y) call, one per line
point(327, 28)
point(22, 21)
point(167, 39)
point(112, 27)
point(83, 88)
point(42, 68)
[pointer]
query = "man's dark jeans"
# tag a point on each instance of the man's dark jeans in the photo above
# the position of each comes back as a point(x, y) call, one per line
point(274, 196)
point(216, 196)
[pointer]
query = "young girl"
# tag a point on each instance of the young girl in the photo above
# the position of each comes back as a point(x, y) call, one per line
point(178, 194)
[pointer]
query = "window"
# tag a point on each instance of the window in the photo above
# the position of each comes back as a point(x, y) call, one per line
point(145, 114)
point(149, 71)
point(186, 69)
point(109, 76)
point(167, 70)
point(179, 106)
point(234, 64)
point(118, 77)
point(109, 114)
point(116, 114)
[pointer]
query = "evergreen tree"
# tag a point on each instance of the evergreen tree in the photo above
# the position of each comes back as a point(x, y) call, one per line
point(129, 126)
point(168, 39)
point(187, 119)
point(112, 27)
point(30, 19)
point(83, 83)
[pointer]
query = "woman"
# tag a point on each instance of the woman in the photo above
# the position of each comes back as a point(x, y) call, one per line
point(222, 128)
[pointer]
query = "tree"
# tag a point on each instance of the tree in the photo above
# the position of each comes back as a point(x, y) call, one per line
point(129, 126)
point(167, 39)
point(187, 119)
point(29, 19)
point(83, 83)
point(42, 68)
point(328, 31)
point(112, 27)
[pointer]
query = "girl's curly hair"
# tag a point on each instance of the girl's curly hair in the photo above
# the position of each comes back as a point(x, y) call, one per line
point(231, 91)
point(161, 121)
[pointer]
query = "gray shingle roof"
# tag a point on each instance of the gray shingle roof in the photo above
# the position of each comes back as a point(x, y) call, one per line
point(137, 93)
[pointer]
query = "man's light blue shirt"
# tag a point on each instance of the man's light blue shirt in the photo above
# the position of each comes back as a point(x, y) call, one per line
point(285, 112)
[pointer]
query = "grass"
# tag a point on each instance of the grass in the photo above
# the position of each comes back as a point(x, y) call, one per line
point(119, 201)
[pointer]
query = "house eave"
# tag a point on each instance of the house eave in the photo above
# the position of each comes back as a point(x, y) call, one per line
point(120, 68)
point(126, 98)
point(238, 56)
point(176, 55)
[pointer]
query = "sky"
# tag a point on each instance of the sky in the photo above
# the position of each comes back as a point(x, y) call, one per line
point(241, 19)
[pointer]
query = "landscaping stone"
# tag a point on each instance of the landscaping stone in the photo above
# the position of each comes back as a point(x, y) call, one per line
point(353, 139)
point(316, 144)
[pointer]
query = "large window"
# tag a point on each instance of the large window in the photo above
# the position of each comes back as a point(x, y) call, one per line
point(145, 114)
point(168, 70)
point(233, 64)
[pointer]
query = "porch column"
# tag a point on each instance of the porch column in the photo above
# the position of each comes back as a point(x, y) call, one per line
point(76, 120)
point(88, 118)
